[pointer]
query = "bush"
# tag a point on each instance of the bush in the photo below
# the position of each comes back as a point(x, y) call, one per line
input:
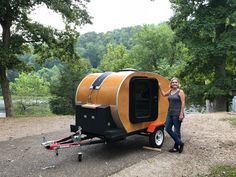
point(39, 109)
point(63, 92)
point(60, 105)
point(30, 95)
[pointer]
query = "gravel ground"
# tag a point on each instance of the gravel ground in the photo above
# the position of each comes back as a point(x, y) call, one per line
point(209, 140)
point(13, 128)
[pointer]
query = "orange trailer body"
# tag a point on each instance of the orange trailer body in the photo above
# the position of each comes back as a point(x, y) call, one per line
point(115, 90)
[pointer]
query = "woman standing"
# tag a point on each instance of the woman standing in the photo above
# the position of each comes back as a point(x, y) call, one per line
point(176, 98)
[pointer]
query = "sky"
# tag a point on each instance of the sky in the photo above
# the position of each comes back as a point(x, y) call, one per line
point(113, 14)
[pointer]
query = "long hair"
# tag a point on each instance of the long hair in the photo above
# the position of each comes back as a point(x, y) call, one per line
point(175, 78)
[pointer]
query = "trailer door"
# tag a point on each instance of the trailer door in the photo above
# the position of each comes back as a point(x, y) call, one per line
point(143, 106)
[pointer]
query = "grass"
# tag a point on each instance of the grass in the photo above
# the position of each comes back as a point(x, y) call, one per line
point(221, 171)
point(38, 112)
point(232, 120)
point(31, 109)
point(41, 109)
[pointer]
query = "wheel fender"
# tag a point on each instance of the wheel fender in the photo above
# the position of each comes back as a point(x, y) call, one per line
point(152, 127)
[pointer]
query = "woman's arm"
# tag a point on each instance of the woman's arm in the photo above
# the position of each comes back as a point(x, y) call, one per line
point(182, 98)
point(162, 92)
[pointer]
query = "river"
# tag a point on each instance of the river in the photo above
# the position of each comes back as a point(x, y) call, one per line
point(2, 110)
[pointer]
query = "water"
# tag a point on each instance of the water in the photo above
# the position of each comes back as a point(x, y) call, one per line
point(234, 104)
point(2, 110)
point(2, 114)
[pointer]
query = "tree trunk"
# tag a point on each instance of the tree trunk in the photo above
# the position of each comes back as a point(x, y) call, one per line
point(6, 92)
point(6, 22)
point(209, 106)
point(220, 102)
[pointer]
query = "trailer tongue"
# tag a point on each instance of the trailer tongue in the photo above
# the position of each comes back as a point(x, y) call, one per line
point(75, 140)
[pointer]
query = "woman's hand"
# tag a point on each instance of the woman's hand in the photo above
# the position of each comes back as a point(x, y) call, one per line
point(181, 116)
point(182, 98)
point(162, 92)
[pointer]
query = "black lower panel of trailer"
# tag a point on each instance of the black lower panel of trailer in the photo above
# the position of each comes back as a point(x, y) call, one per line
point(97, 122)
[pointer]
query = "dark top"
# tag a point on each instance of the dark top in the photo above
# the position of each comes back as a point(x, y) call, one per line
point(174, 104)
point(97, 83)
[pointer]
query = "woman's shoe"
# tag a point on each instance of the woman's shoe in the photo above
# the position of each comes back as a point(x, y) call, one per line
point(173, 150)
point(181, 148)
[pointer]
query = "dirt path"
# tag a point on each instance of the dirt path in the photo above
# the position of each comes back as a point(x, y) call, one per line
point(209, 141)
point(12, 128)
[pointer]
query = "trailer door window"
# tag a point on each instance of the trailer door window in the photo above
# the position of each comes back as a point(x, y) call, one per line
point(143, 99)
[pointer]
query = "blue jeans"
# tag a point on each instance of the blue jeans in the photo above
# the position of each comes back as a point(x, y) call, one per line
point(175, 135)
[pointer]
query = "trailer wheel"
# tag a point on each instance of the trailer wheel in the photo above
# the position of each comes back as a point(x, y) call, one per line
point(156, 139)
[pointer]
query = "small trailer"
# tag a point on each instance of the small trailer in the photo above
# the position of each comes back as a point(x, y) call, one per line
point(113, 105)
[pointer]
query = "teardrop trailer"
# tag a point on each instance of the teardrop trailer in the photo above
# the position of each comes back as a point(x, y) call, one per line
point(113, 105)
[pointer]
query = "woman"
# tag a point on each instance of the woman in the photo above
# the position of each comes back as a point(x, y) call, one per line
point(176, 98)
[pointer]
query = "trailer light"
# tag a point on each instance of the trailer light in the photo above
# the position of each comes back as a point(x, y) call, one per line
point(85, 116)
point(108, 124)
point(93, 117)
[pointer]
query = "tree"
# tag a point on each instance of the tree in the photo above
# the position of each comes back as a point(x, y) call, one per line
point(153, 44)
point(115, 58)
point(18, 31)
point(155, 50)
point(93, 45)
point(50, 75)
point(208, 28)
point(29, 88)
point(63, 92)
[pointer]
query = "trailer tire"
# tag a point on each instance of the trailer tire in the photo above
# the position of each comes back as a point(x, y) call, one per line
point(156, 139)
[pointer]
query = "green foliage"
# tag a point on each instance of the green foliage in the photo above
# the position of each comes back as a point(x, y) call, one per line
point(21, 35)
point(209, 31)
point(154, 43)
point(221, 171)
point(155, 50)
point(49, 70)
point(28, 32)
point(30, 91)
point(29, 85)
point(96, 70)
point(232, 120)
point(63, 92)
point(93, 46)
point(149, 48)
point(115, 58)
point(170, 67)
point(40, 109)
point(50, 75)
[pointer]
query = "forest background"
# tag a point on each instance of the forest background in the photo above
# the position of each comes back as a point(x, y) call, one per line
point(41, 67)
